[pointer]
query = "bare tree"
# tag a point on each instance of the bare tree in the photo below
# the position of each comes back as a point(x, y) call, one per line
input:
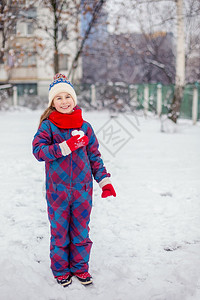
point(94, 15)
point(62, 27)
point(142, 56)
point(151, 16)
point(185, 20)
point(10, 13)
point(180, 63)
point(153, 21)
point(192, 38)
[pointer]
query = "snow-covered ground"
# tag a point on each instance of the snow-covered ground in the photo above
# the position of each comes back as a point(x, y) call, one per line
point(146, 241)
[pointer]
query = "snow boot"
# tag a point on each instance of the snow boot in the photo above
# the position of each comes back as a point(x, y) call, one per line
point(64, 280)
point(85, 278)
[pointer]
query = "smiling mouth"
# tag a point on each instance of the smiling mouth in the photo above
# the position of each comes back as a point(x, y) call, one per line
point(65, 107)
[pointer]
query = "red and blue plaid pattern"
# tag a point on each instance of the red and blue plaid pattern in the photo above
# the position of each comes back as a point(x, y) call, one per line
point(69, 194)
point(79, 166)
point(69, 215)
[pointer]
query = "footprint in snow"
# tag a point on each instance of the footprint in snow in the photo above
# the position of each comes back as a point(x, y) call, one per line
point(172, 248)
point(166, 194)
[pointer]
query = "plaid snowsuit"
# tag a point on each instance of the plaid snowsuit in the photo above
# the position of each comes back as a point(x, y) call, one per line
point(69, 187)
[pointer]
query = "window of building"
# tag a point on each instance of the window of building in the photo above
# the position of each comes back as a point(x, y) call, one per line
point(62, 33)
point(30, 28)
point(21, 28)
point(13, 29)
point(26, 88)
point(21, 59)
point(31, 13)
point(26, 27)
point(25, 59)
point(29, 60)
point(63, 62)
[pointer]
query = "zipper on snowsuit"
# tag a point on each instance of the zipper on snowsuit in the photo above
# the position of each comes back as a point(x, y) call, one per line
point(70, 178)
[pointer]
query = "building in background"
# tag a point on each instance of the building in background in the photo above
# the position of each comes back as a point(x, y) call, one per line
point(28, 60)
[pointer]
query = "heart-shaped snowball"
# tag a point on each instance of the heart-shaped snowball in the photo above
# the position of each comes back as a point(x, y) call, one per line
point(78, 132)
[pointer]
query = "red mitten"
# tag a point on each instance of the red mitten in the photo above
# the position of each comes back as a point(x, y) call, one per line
point(108, 190)
point(75, 142)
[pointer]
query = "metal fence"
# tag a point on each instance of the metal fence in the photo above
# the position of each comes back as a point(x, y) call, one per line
point(116, 97)
point(141, 96)
point(6, 96)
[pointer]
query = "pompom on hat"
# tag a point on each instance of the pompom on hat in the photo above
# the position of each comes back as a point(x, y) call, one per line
point(61, 84)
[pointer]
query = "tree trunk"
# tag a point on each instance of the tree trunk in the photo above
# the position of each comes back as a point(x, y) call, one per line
point(56, 61)
point(2, 33)
point(2, 47)
point(95, 14)
point(180, 64)
point(55, 37)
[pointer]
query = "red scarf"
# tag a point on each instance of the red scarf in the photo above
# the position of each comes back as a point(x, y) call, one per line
point(65, 121)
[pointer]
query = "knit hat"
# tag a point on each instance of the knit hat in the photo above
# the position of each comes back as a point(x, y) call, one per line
point(61, 84)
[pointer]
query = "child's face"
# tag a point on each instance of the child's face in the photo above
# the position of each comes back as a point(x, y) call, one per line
point(63, 103)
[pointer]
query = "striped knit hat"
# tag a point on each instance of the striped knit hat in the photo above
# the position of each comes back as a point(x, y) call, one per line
point(61, 84)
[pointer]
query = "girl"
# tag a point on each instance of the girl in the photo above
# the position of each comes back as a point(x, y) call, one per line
point(69, 148)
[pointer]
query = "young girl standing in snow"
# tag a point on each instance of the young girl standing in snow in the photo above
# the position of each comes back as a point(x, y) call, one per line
point(69, 148)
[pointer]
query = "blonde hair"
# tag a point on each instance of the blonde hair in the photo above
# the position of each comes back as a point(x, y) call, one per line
point(46, 113)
